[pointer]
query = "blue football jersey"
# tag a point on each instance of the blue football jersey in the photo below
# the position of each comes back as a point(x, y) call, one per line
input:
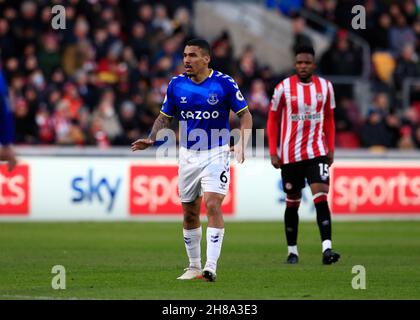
point(203, 109)
point(6, 117)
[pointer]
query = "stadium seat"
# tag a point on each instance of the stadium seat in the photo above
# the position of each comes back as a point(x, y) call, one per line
point(347, 139)
point(384, 65)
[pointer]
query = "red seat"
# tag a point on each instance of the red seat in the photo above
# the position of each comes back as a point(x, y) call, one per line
point(416, 105)
point(347, 139)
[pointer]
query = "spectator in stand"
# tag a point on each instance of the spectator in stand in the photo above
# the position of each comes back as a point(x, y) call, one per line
point(129, 122)
point(75, 51)
point(347, 123)
point(72, 98)
point(298, 30)
point(410, 11)
point(222, 49)
point(410, 129)
point(381, 103)
point(49, 54)
point(139, 41)
point(247, 67)
point(400, 35)
point(341, 58)
point(61, 120)
point(26, 128)
point(347, 116)
point(417, 137)
point(407, 65)
point(108, 118)
point(45, 125)
point(380, 34)
point(87, 90)
point(171, 53)
point(374, 132)
point(182, 20)
point(258, 102)
point(6, 40)
point(161, 20)
point(416, 28)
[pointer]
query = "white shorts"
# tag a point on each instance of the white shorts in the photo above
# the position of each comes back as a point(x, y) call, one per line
point(203, 171)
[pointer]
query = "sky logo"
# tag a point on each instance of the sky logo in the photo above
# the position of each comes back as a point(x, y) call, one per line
point(88, 189)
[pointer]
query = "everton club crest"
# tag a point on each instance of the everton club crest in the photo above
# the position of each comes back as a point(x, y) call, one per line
point(212, 99)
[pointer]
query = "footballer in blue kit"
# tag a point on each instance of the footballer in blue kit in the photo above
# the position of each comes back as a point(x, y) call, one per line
point(6, 125)
point(201, 98)
point(203, 106)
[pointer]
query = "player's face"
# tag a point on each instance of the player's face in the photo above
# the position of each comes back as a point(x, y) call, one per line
point(195, 60)
point(305, 66)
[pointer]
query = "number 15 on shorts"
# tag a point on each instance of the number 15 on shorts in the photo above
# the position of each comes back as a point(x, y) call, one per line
point(323, 171)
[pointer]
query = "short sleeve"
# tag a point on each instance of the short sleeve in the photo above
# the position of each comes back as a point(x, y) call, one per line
point(331, 98)
point(6, 117)
point(235, 98)
point(277, 98)
point(168, 107)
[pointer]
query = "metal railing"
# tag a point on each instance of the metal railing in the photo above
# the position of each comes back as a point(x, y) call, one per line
point(361, 90)
point(407, 85)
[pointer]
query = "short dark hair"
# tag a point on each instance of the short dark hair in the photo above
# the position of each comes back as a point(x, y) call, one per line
point(201, 43)
point(305, 49)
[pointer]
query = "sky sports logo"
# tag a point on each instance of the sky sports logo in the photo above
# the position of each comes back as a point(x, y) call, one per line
point(375, 190)
point(14, 190)
point(93, 189)
point(153, 190)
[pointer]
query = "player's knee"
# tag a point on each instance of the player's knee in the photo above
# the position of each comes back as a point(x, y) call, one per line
point(190, 217)
point(212, 206)
point(319, 187)
point(294, 196)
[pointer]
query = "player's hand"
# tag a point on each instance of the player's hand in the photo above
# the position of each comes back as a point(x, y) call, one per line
point(330, 158)
point(238, 152)
point(275, 161)
point(8, 154)
point(141, 144)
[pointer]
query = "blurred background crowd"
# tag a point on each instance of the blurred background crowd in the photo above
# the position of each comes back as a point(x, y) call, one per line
point(101, 81)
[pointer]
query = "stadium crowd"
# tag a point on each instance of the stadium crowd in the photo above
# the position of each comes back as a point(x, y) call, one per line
point(101, 81)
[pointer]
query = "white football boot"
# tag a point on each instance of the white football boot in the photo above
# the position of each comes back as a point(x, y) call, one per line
point(191, 273)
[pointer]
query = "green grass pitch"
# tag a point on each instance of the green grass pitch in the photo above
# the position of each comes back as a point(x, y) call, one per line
point(141, 260)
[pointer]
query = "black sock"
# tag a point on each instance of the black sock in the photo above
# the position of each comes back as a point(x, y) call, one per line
point(323, 217)
point(291, 221)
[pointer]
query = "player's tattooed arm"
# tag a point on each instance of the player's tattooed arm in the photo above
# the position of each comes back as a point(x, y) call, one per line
point(161, 122)
point(245, 118)
point(246, 132)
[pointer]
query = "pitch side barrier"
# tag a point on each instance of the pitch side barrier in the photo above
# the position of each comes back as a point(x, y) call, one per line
point(79, 184)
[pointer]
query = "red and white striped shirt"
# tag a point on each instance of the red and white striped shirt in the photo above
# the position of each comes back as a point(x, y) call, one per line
point(306, 117)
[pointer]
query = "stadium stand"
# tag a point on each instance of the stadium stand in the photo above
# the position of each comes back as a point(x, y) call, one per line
point(101, 81)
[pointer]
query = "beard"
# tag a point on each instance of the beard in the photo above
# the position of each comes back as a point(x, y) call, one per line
point(190, 73)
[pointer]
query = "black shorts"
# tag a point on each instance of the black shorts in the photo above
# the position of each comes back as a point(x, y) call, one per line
point(314, 170)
